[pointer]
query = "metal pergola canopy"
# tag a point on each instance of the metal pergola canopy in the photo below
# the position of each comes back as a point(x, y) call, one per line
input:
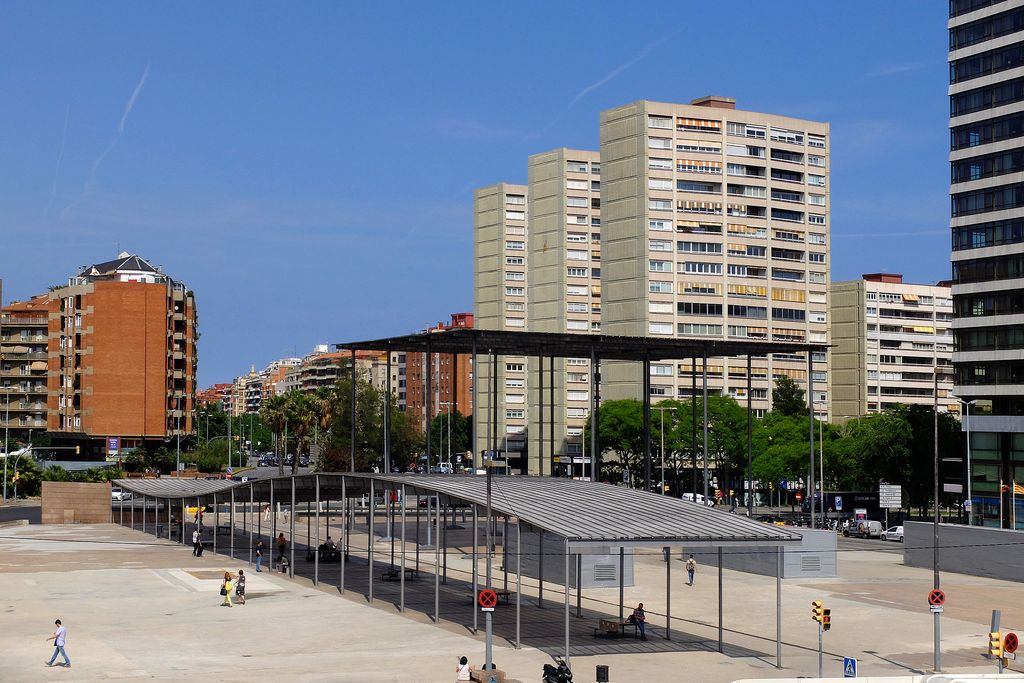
point(587, 514)
point(563, 345)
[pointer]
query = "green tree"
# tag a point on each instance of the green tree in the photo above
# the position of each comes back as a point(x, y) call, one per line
point(273, 412)
point(788, 397)
point(459, 435)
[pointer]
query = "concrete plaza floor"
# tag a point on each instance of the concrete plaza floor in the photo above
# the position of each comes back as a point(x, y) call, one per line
point(137, 607)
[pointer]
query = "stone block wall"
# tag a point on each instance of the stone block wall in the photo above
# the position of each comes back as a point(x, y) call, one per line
point(66, 502)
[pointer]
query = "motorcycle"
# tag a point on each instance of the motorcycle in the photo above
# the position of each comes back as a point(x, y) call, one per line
point(557, 674)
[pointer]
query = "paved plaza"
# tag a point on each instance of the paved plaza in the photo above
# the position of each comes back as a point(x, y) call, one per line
point(137, 607)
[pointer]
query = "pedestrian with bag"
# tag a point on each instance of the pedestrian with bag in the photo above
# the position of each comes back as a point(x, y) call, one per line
point(691, 569)
point(59, 637)
point(225, 590)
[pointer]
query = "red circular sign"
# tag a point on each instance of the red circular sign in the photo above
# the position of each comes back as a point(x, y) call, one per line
point(799, 497)
point(1010, 642)
point(936, 597)
point(487, 598)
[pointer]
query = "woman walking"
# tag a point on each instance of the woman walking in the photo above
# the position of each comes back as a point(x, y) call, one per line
point(225, 590)
point(240, 587)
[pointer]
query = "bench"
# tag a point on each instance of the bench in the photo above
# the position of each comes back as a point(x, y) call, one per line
point(411, 574)
point(326, 554)
point(614, 629)
point(481, 676)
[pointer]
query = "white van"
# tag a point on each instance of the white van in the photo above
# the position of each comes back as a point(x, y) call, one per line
point(697, 498)
point(864, 528)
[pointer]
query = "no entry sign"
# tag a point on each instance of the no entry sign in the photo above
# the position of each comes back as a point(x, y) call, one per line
point(487, 599)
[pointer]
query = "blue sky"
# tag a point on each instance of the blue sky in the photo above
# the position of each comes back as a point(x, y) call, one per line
point(308, 168)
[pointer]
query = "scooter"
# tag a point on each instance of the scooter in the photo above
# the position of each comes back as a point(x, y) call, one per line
point(559, 674)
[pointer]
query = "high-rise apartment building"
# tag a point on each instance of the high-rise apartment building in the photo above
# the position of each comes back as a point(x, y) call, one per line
point(565, 294)
point(891, 342)
point(451, 379)
point(715, 225)
point(24, 334)
point(986, 93)
point(121, 347)
point(500, 303)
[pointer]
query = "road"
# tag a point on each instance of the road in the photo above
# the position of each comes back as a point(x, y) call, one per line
point(33, 513)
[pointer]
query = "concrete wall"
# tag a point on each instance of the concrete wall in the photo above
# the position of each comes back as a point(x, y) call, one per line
point(815, 557)
point(599, 569)
point(75, 503)
point(979, 551)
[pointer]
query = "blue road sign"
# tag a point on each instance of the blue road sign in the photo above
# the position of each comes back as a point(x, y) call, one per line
point(783, 484)
point(839, 503)
point(849, 667)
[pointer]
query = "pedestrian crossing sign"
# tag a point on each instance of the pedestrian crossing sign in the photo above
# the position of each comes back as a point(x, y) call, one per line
point(849, 667)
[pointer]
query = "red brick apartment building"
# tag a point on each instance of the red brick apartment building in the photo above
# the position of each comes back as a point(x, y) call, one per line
point(450, 377)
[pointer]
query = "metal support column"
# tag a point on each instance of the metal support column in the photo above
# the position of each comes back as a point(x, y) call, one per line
point(494, 405)
point(183, 521)
point(428, 391)
point(250, 521)
point(565, 549)
point(540, 569)
point(475, 424)
point(810, 420)
point(291, 531)
point(387, 414)
point(344, 538)
point(143, 514)
point(579, 585)
point(372, 512)
point(668, 595)
point(401, 603)
point(778, 607)
point(216, 522)
point(693, 425)
point(504, 553)
point(352, 434)
point(551, 420)
point(540, 419)
point(273, 526)
point(231, 520)
point(704, 380)
point(437, 565)
point(594, 474)
point(316, 547)
point(646, 384)
point(168, 519)
point(720, 583)
point(750, 442)
point(622, 583)
point(519, 579)
point(476, 569)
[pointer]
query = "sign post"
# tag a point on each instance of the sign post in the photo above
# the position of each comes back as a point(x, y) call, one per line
point(487, 600)
point(890, 497)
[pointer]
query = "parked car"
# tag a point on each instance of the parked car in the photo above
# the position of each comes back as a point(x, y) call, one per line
point(893, 533)
point(303, 460)
point(865, 528)
point(118, 494)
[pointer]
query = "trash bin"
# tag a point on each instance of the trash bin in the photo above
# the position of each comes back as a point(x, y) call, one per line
point(602, 673)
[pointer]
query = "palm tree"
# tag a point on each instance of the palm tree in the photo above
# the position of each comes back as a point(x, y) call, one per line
point(301, 413)
point(324, 400)
point(274, 415)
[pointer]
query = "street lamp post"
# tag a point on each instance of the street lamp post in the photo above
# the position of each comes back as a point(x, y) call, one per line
point(449, 404)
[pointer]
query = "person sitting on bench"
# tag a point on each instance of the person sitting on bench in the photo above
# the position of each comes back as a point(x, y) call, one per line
point(329, 543)
point(639, 617)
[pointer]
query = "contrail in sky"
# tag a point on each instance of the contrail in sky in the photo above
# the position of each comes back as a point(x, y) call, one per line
point(60, 158)
point(90, 183)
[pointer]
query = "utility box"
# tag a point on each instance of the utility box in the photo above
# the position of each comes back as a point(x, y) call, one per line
point(599, 566)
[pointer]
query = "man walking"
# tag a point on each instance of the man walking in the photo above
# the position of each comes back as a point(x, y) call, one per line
point(691, 569)
point(195, 541)
point(259, 555)
point(59, 637)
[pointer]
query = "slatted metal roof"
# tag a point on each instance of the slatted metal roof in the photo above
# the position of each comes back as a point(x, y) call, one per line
point(564, 345)
point(587, 514)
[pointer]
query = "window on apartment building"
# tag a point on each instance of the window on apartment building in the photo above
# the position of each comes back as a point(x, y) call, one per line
point(707, 288)
point(576, 237)
point(816, 199)
point(659, 122)
point(816, 219)
point(515, 215)
point(815, 257)
point(574, 307)
point(815, 160)
point(816, 278)
point(515, 414)
point(701, 188)
point(699, 330)
point(515, 322)
point(656, 287)
point(515, 291)
point(576, 184)
point(660, 328)
point(514, 367)
point(517, 199)
point(515, 383)
point(576, 413)
point(815, 317)
point(575, 395)
point(659, 307)
point(816, 141)
point(697, 308)
point(515, 306)
point(787, 215)
point(658, 370)
point(659, 183)
point(579, 202)
point(699, 247)
point(576, 166)
point(515, 245)
point(576, 290)
point(515, 261)
point(659, 143)
point(576, 325)
point(702, 268)
point(576, 272)
point(513, 275)
point(576, 219)
point(791, 136)
point(818, 180)
point(756, 312)
point(660, 226)
point(784, 196)
point(577, 255)
point(659, 204)
point(660, 245)
point(576, 377)
point(659, 164)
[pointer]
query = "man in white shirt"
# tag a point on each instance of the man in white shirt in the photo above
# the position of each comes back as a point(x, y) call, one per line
point(195, 542)
point(58, 638)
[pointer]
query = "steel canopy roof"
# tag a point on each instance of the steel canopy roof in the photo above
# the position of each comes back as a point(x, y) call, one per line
point(584, 513)
point(564, 345)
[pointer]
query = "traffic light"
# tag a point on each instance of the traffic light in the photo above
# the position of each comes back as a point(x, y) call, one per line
point(818, 611)
point(995, 644)
point(78, 450)
point(826, 619)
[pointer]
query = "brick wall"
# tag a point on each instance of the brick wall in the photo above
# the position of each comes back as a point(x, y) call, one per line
point(67, 502)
